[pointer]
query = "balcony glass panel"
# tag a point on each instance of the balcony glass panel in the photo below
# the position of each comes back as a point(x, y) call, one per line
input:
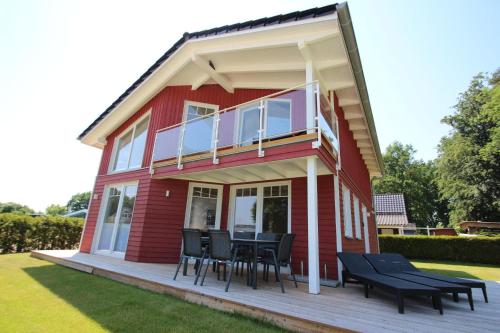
point(167, 144)
point(278, 117)
point(198, 136)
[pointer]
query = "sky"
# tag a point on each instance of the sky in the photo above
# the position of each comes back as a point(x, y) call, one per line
point(62, 63)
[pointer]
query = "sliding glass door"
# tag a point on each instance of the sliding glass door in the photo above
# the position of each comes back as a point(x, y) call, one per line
point(260, 208)
point(116, 219)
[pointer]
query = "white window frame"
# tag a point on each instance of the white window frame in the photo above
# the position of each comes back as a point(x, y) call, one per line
point(289, 101)
point(219, 188)
point(100, 220)
point(357, 218)
point(187, 103)
point(117, 139)
point(365, 227)
point(260, 204)
point(238, 121)
point(346, 205)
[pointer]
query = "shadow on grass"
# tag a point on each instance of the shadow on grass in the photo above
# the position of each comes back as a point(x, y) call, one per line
point(121, 308)
point(453, 273)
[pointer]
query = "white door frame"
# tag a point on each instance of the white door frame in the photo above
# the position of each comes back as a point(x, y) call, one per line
point(260, 203)
point(100, 221)
point(219, 188)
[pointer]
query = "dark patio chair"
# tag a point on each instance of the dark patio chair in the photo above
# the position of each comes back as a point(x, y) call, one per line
point(400, 264)
point(357, 267)
point(386, 267)
point(243, 252)
point(279, 258)
point(221, 252)
point(192, 249)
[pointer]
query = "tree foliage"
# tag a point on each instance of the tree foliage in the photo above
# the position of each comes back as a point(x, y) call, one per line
point(415, 179)
point(468, 163)
point(78, 202)
point(56, 209)
point(15, 208)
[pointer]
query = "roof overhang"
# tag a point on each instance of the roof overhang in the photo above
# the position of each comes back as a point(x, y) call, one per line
point(266, 57)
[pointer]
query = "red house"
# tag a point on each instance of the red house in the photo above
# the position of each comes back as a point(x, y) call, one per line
point(261, 126)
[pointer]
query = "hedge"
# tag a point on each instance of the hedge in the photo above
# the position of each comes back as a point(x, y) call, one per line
point(20, 233)
point(484, 250)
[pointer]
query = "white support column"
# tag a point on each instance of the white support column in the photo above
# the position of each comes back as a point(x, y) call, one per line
point(310, 101)
point(312, 224)
point(338, 228)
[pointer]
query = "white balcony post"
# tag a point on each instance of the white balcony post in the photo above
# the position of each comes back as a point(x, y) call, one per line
point(310, 110)
point(179, 149)
point(261, 127)
point(312, 225)
point(216, 138)
point(338, 227)
point(318, 111)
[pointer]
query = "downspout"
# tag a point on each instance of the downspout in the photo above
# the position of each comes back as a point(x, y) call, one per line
point(374, 214)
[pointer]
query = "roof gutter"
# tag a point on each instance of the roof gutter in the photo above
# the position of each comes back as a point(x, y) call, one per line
point(347, 29)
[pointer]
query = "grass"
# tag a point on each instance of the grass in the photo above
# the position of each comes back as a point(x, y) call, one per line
point(38, 296)
point(458, 269)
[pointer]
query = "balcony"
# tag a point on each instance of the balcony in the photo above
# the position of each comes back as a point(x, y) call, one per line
point(278, 119)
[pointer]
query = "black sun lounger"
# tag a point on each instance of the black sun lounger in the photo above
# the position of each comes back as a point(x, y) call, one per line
point(406, 266)
point(359, 269)
point(387, 267)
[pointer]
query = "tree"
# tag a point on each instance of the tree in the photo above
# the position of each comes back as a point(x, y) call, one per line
point(79, 201)
point(15, 208)
point(415, 179)
point(468, 164)
point(56, 209)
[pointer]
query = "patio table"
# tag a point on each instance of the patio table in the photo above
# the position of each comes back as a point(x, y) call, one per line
point(254, 244)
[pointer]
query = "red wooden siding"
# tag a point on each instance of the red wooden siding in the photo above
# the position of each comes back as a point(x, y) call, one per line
point(157, 220)
point(326, 225)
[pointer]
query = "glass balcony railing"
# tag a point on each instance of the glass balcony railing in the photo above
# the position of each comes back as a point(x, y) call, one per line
point(248, 126)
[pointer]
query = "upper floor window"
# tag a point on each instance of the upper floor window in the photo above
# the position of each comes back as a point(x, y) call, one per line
point(129, 147)
point(197, 110)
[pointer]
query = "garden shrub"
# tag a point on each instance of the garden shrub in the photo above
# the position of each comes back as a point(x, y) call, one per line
point(20, 233)
point(484, 250)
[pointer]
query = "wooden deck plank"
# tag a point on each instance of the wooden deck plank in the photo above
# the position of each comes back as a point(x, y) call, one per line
point(335, 309)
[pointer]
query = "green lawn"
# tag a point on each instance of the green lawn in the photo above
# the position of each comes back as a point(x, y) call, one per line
point(37, 296)
point(458, 269)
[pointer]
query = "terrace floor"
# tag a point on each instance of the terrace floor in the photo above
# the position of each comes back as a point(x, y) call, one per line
point(335, 309)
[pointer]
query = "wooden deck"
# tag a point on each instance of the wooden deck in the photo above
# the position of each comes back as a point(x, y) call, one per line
point(334, 310)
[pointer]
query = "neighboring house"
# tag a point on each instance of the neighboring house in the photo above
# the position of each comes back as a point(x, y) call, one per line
point(261, 126)
point(78, 213)
point(391, 215)
point(474, 227)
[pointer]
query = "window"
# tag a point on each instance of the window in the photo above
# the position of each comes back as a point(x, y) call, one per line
point(197, 110)
point(249, 124)
point(129, 147)
point(199, 129)
point(275, 209)
point(346, 198)
point(203, 211)
point(278, 117)
point(261, 207)
point(116, 219)
point(357, 222)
